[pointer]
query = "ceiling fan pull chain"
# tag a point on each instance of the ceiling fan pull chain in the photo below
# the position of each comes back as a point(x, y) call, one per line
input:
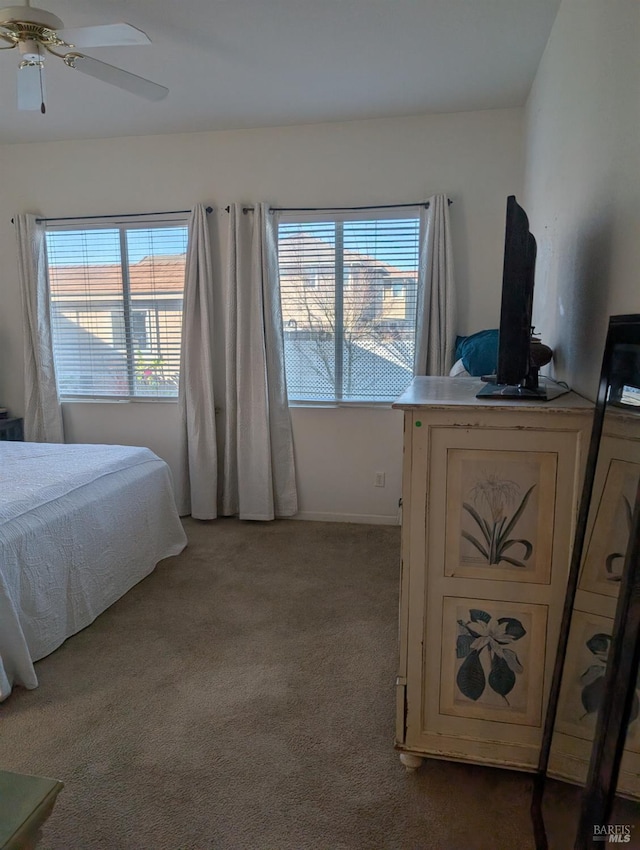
point(43, 108)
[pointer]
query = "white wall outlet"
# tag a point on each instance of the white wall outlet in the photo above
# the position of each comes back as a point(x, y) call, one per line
point(379, 479)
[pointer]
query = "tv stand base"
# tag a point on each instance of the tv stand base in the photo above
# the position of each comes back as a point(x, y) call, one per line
point(512, 392)
point(546, 391)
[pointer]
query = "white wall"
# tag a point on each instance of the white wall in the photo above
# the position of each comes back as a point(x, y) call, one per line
point(582, 181)
point(473, 157)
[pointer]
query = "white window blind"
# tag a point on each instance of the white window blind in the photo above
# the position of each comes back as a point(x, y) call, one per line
point(349, 297)
point(116, 308)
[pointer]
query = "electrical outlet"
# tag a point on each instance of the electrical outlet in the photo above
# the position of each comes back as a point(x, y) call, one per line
point(379, 482)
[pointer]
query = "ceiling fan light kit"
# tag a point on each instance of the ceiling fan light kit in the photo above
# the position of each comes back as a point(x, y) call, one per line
point(36, 32)
point(30, 52)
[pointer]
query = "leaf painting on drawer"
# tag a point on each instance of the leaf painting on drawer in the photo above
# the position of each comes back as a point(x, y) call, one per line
point(618, 557)
point(592, 679)
point(610, 521)
point(483, 636)
point(496, 506)
point(492, 660)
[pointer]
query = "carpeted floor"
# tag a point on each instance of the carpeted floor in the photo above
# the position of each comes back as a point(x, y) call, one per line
point(242, 698)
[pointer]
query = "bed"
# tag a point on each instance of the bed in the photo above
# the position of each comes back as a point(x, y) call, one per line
point(79, 526)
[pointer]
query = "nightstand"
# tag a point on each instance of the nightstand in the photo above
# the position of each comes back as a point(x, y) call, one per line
point(25, 804)
point(11, 429)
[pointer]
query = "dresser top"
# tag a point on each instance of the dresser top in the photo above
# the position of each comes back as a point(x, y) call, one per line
point(435, 392)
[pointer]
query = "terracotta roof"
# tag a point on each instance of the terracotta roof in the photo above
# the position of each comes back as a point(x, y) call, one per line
point(165, 273)
point(150, 274)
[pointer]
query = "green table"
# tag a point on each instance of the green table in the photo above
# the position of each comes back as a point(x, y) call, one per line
point(25, 804)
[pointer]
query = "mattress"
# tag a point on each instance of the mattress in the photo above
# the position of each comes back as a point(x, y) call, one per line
point(79, 526)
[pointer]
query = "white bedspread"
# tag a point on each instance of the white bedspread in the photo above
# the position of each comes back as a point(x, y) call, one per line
point(79, 526)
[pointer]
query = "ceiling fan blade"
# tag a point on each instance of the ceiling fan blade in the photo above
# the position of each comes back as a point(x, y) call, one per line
point(108, 35)
point(31, 88)
point(116, 77)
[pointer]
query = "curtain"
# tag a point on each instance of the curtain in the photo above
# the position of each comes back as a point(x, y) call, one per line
point(435, 326)
point(42, 411)
point(258, 479)
point(198, 490)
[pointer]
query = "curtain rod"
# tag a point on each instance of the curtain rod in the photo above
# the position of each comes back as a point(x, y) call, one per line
point(424, 204)
point(114, 215)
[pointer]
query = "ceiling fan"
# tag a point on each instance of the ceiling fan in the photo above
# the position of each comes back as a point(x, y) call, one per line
point(36, 32)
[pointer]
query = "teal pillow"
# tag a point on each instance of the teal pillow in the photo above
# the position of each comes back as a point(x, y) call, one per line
point(479, 352)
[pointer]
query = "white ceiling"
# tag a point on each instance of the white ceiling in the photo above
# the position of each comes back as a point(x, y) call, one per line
point(252, 63)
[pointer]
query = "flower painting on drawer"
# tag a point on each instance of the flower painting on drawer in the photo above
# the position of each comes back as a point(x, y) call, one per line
point(592, 679)
point(500, 514)
point(493, 660)
point(496, 505)
point(484, 636)
point(609, 528)
point(582, 688)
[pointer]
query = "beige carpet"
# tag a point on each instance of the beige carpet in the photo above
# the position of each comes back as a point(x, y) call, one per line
point(242, 697)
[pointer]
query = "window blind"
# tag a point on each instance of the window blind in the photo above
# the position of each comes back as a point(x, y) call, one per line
point(116, 308)
point(349, 298)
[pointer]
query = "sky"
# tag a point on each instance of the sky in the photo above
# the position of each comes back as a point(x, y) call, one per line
point(100, 246)
point(393, 241)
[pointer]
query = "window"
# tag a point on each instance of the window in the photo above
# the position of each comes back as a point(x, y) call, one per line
point(139, 333)
point(116, 309)
point(349, 337)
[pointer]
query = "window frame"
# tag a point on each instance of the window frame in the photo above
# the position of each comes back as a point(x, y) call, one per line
point(346, 269)
point(122, 224)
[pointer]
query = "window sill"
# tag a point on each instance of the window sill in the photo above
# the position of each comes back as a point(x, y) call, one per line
point(101, 400)
point(332, 405)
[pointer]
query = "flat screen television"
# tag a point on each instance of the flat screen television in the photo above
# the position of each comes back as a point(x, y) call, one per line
point(516, 376)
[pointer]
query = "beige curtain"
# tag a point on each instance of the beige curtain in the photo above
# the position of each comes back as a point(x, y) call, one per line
point(42, 410)
point(237, 444)
point(259, 471)
point(436, 318)
point(197, 492)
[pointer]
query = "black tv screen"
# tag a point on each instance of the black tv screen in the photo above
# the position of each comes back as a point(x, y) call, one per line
point(517, 296)
point(515, 376)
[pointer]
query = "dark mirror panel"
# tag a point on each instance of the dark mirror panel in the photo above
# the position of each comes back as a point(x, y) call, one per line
point(624, 387)
point(592, 728)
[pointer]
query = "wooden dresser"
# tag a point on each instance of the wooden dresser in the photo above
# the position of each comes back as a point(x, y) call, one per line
point(490, 496)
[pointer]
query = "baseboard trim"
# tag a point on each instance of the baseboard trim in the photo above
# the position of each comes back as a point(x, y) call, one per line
point(367, 519)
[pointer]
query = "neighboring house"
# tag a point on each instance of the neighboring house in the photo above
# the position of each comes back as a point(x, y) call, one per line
point(82, 331)
point(374, 292)
point(367, 303)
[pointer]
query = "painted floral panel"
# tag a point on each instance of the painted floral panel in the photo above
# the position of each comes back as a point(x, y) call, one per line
point(609, 533)
point(500, 514)
point(583, 680)
point(493, 660)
